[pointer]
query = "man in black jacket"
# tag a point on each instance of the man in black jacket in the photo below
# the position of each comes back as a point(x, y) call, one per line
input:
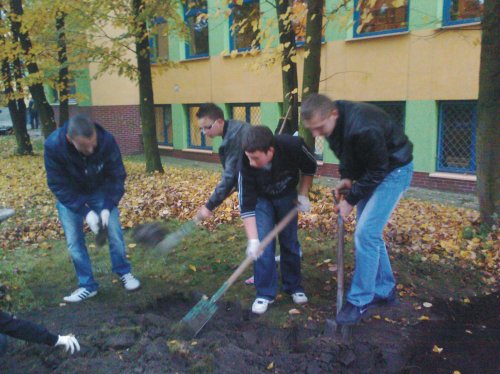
point(270, 172)
point(376, 167)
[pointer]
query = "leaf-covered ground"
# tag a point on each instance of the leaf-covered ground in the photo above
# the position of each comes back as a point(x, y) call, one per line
point(432, 232)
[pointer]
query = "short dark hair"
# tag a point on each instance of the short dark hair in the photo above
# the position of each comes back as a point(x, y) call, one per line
point(258, 138)
point(211, 111)
point(316, 104)
point(80, 125)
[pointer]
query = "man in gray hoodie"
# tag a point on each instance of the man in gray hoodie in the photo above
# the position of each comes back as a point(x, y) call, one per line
point(211, 123)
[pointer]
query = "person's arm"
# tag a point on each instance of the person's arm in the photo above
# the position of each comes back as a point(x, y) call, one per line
point(60, 184)
point(115, 175)
point(248, 202)
point(25, 330)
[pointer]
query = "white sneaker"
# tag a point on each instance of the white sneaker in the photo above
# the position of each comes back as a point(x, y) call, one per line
point(259, 306)
point(299, 298)
point(79, 295)
point(130, 282)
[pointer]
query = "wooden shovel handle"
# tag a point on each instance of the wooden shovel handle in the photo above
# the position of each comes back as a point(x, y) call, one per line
point(263, 244)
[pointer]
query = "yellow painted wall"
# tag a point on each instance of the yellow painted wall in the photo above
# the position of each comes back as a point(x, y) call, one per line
point(111, 89)
point(421, 65)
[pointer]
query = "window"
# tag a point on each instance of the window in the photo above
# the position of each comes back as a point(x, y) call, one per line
point(457, 140)
point(395, 109)
point(462, 11)
point(159, 42)
point(299, 20)
point(196, 139)
point(195, 15)
point(164, 130)
point(380, 17)
point(249, 113)
point(244, 25)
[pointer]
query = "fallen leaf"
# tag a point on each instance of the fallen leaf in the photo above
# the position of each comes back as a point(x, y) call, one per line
point(294, 311)
point(270, 366)
point(423, 318)
point(437, 349)
point(192, 267)
point(132, 245)
point(427, 305)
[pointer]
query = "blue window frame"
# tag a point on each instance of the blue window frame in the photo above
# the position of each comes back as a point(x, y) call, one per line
point(380, 17)
point(164, 130)
point(395, 109)
point(196, 139)
point(457, 137)
point(158, 40)
point(195, 16)
point(457, 12)
point(244, 25)
point(249, 113)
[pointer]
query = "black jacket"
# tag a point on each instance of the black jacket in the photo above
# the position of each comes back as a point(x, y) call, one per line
point(291, 155)
point(25, 330)
point(369, 146)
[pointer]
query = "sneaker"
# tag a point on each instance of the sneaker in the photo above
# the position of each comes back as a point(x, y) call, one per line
point(351, 314)
point(250, 281)
point(259, 306)
point(79, 295)
point(390, 300)
point(299, 298)
point(130, 282)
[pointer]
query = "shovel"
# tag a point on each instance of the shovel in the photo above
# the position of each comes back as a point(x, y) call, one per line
point(200, 314)
point(155, 235)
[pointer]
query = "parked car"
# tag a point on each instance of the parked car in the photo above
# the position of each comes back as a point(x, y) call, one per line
point(5, 123)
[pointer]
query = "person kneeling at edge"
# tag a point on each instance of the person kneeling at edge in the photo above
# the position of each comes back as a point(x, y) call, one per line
point(376, 167)
point(269, 175)
point(86, 174)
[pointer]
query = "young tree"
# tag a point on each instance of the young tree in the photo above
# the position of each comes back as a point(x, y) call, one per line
point(487, 133)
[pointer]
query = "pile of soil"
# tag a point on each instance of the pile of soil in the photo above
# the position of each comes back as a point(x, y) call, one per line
point(131, 339)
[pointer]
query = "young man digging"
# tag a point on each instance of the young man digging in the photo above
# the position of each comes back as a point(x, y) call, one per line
point(376, 167)
point(86, 174)
point(269, 175)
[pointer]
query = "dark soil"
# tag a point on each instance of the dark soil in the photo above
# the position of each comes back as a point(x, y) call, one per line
point(131, 339)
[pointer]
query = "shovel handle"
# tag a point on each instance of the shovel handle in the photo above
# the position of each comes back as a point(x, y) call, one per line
point(263, 244)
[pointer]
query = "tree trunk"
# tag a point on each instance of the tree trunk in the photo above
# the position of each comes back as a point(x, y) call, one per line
point(17, 110)
point(487, 133)
point(44, 109)
point(289, 67)
point(312, 62)
point(63, 69)
point(148, 122)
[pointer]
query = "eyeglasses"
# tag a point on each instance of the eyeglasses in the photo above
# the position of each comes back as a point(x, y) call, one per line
point(206, 128)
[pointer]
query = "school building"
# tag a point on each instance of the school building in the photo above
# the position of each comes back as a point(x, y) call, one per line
point(418, 60)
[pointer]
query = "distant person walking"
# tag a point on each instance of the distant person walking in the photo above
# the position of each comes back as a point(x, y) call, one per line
point(33, 113)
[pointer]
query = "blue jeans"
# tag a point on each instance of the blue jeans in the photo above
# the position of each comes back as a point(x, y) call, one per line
point(72, 224)
point(373, 274)
point(268, 213)
point(3, 344)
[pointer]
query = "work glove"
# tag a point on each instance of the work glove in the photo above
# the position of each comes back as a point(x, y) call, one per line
point(93, 221)
point(303, 204)
point(104, 217)
point(253, 248)
point(69, 342)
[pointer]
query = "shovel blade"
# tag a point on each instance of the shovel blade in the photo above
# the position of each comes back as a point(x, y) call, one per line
point(198, 316)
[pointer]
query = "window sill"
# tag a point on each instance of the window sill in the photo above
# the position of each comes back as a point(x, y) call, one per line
point(194, 150)
point(461, 177)
point(464, 25)
point(243, 53)
point(166, 147)
point(399, 33)
point(202, 58)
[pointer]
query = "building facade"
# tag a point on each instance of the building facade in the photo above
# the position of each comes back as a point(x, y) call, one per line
point(418, 60)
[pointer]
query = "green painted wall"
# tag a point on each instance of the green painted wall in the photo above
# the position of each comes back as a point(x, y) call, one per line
point(422, 129)
point(83, 88)
point(180, 125)
point(425, 14)
point(339, 21)
point(218, 28)
point(270, 114)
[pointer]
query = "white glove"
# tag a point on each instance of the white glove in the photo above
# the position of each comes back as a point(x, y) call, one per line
point(104, 217)
point(69, 342)
point(93, 221)
point(304, 205)
point(253, 248)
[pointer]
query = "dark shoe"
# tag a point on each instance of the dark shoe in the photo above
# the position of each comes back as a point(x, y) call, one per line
point(390, 300)
point(351, 314)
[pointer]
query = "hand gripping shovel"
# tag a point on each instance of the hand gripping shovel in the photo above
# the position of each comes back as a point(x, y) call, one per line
point(200, 314)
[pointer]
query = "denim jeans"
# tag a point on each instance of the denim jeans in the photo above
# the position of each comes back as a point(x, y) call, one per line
point(373, 274)
point(72, 224)
point(268, 213)
point(3, 344)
